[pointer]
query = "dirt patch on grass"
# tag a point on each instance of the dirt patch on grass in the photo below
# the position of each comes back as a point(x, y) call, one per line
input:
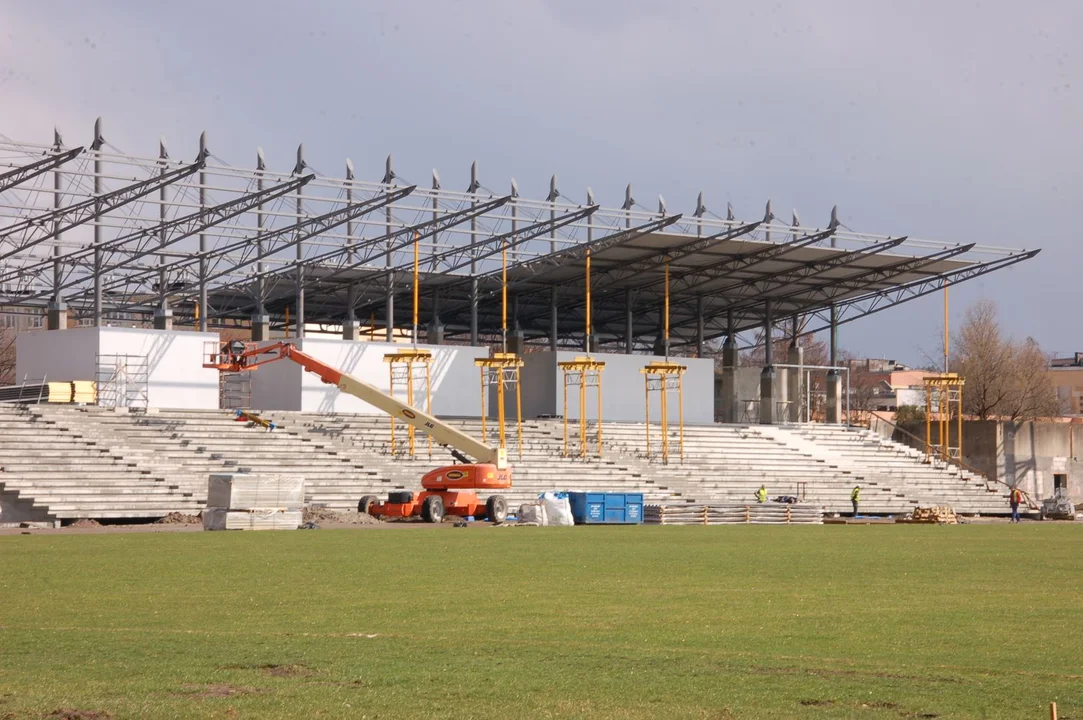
point(851, 673)
point(330, 517)
point(286, 670)
point(879, 705)
point(818, 703)
point(176, 518)
point(218, 691)
point(73, 714)
point(85, 523)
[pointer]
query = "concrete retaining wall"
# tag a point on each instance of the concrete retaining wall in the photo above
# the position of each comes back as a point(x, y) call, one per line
point(177, 378)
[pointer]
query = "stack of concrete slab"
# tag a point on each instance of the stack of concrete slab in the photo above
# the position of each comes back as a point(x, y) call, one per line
point(240, 501)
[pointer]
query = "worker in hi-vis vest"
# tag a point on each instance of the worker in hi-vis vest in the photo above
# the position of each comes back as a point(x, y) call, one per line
point(855, 496)
point(1015, 499)
point(761, 494)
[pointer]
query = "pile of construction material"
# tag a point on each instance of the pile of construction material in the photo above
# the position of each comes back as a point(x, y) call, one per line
point(78, 391)
point(240, 501)
point(757, 514)
point(942, 515)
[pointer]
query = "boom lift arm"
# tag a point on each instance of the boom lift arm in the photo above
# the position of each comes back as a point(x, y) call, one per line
point(238, 356)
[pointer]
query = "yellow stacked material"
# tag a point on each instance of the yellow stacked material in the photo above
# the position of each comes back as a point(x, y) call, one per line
point(85, 392)
point(57, 392)
point(943, 515)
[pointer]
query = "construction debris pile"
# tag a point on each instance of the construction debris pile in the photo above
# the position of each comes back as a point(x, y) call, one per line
point(943, 515)
point(238, 501)
point(757, 514)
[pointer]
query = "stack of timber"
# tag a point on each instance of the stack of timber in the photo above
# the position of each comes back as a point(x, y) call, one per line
point(943, 515)
point(757, 514)
point(79, 391)
point(239, 501)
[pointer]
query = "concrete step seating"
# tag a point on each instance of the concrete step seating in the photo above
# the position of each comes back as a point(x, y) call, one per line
point(67, 462)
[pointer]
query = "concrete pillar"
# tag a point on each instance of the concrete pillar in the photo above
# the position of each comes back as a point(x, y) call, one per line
point(474, 338)
point(628, 323)
point(796, 381)
point(351, 329)
point(516, 341)
point(261, 327)
point(163, 319)
point(767, 377)
point(434, 331)
point(57, 316)
point(833, 409)
point(699, 326)
point(767, 396)
point(730, 412)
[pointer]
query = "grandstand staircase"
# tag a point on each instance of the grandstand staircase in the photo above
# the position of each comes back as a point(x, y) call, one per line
point(67, 462)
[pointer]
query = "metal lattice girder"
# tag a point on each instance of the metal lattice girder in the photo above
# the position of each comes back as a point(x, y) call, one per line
point(41, 228)
point(871, 303)
point(418, 232)
point(296, 233)
point(19, 175)
point(159, 236)
point(496, 244)
point(683, 282)
point(834, 288)
point(607, 277)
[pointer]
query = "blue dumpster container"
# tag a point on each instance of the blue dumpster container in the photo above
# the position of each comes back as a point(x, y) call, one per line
point(606, 508)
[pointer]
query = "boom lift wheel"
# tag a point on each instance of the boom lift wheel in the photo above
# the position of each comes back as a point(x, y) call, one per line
point(432, 510)
point(496, 508)
point(365, 503)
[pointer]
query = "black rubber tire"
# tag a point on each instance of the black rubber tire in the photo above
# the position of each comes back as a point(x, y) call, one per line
point(365, 503)
point(496, 508)
point(400, 496)
point(432, 509)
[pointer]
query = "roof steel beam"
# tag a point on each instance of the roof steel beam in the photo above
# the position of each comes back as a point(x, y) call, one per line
point(48, 225)
point(296, 233)
point(19, 175)
point(172, 231)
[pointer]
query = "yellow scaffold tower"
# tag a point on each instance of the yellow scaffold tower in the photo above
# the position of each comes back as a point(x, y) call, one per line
point(410, 368)
point(943, 392)
point(501, 370)
point(665, 378)
point(582, 373)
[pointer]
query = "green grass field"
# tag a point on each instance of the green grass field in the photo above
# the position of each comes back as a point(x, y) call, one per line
point(746, 622)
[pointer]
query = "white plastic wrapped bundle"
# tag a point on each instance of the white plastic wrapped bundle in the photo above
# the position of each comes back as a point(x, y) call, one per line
point(237, 491)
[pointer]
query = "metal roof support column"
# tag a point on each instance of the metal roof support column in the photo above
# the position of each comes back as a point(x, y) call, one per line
point(730, 359)
point(699, 326)
point(261, 322)
point(163, 315)
point(767, 377)
point(628, 203)
point(474, 187)
point(202, 309)
point(96, 146)
point(833, 410)
point(435, 334)
point(553, 318)
point(351, 329)
point(389, 301)
point(628, 326)
point(795, 375)
point(299, 301)
point(58, 310)
point(588, 341)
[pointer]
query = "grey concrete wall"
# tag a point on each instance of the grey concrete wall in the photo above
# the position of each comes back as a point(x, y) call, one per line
point(177, 378)
point(455, 380)
point(623, 394)
point(748, 390)
point(1025, 453)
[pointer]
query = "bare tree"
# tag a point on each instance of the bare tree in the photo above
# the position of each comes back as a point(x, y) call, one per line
point(7, 356)
point(1004, 378)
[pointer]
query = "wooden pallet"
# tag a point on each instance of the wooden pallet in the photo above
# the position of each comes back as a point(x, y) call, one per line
point(942, 515)
point(758, 514)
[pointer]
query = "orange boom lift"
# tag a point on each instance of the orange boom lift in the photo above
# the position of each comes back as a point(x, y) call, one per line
point(449, 490)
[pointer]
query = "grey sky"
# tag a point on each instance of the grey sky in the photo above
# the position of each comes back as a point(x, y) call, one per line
point(946, 121)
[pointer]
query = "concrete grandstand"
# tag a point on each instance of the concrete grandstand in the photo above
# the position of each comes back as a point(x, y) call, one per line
point(152, 257)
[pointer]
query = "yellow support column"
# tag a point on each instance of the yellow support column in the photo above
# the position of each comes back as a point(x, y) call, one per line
point(664, 378)
point(583, 372)
point(409, 368)
point(502, 370)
